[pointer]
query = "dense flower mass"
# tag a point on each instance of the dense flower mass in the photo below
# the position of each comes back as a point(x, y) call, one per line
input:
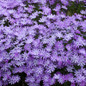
point(43, 43)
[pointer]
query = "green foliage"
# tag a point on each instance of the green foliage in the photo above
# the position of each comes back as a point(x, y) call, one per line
point(7, 23)
point(75, 7)
point(62, 71)
point(77, 67)
point(67, 83)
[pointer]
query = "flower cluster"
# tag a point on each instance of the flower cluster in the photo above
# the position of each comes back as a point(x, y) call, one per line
point(43, 42)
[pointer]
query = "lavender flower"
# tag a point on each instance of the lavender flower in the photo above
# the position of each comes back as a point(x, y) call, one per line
point(42, 42)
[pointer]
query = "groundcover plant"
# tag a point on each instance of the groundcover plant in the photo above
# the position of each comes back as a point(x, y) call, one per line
point(42, 42)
